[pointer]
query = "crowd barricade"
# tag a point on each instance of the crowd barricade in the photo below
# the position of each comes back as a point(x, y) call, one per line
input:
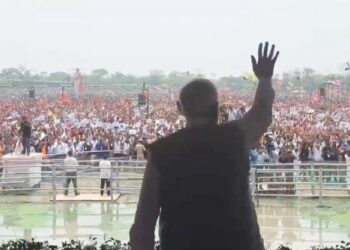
point(313, 180)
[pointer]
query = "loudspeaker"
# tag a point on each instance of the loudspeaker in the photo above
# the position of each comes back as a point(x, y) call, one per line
point(32, 93)
point(142, 100)
point(322, 92)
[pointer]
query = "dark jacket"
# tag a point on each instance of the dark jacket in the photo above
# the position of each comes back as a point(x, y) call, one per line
point(204, 194)
point(26, 129)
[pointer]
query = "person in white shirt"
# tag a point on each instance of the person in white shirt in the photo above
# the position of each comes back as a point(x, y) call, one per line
point(117, 148)
point(80, 146)
point(70, 147)
point(105, 174)
point(18, 147)
point(126, 148)
point(231, 114)
point(318, 153)
point(262, 157)
point(61, 147)
point(71, 167)
point(94, 142)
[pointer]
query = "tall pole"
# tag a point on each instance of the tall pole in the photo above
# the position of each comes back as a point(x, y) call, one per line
point(147, 103)
point(145, 91)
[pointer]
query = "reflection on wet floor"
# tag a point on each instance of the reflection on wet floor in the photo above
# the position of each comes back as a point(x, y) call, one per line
point(301, 223)
point(298, 223)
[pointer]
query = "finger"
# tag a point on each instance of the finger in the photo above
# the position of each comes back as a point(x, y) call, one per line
point(266, 48)
point(253, 62)
point(272, 51)
point(276, 56)
point(260, 51)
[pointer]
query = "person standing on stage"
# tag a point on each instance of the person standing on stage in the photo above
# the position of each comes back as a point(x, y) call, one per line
point(26, 130)
point(71, 168)
point(105, 173)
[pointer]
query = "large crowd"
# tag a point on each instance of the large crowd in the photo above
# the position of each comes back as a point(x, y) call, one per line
point(301, 130)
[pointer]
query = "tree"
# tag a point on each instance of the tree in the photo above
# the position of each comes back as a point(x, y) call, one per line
point(60, 77)
point(97, 76)
point(99, 73)
point(308, 72)
point(12, 73)
point(155, 77)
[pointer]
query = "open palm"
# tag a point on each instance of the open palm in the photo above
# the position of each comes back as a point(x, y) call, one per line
point(263, 68)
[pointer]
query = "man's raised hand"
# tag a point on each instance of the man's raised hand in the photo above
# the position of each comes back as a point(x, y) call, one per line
point(266, 61)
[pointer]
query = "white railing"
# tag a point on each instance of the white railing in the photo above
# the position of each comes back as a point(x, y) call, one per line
point(301, 180)
point(313, 180)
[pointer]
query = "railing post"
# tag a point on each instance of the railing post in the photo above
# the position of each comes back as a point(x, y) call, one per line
point(312, 179)
point(320, 190)
point(253, 181)
point(255, 186)
point(54, 183)
point(111, 183)
point(116, 176)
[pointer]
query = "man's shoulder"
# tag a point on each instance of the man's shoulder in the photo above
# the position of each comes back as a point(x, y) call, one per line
point(165, 140)
point(232, 127)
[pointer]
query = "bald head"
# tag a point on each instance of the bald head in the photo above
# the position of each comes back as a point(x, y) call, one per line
point(199, 100)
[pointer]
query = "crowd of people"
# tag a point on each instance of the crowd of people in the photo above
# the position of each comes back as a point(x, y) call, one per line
point(301, 130)
point(86, 124)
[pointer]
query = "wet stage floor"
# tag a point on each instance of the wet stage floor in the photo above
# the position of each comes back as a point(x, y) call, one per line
point(296, 222)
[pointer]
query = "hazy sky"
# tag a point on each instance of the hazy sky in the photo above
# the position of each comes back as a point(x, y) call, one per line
point(211, 37)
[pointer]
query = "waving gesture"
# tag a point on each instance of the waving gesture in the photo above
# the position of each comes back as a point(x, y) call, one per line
point(266, 61)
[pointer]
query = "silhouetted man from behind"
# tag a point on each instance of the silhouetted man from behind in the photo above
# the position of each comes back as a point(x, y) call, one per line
point(196, 179)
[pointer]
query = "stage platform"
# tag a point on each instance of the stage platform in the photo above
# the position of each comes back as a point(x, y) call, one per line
point(86, 197)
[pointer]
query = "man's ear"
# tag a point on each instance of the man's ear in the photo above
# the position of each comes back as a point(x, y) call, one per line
point(179, 107)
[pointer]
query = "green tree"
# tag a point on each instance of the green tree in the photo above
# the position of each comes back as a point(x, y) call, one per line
point(12, 73)
point(60, 77)
point(101, 73)
point(97, 76)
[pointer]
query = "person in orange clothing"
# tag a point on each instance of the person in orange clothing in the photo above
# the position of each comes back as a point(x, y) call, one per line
point(1, 149)
point(43, 147)
point(44, 150)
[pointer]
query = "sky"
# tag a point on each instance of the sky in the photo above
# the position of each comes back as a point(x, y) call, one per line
point(214, 37)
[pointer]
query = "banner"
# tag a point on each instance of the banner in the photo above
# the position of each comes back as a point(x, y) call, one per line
point(337, 83)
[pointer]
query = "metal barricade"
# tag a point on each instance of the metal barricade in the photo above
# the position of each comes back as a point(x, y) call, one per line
point(309, 180)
